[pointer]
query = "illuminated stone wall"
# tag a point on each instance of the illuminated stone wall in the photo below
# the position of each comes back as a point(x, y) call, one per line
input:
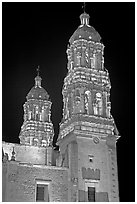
point(87, 118)
point(21, 182)
point(92, 156)
point(87, 136)
point(29, 154)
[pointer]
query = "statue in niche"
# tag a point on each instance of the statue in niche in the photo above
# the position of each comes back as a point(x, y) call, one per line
point(77, 58)
point(108, 110)
point(98, 104)
point(77, 97)
point(87, 99)
point(29, 115)
point(95, 109)
point(76, 101)
point(40, 116)
point(37, 113)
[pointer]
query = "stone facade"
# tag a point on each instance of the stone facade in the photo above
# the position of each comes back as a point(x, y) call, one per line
point(85, 167)
point(19, 182)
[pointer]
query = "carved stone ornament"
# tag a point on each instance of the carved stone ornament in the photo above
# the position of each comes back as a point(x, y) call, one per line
point(74, 180)
point(95, 140)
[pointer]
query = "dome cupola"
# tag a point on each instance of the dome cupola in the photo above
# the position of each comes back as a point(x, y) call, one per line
point(38, 92)
point(85, 31)
point(37, 128)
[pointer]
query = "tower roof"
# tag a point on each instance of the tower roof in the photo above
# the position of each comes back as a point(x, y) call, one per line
point(85, 31)
point(38, 92)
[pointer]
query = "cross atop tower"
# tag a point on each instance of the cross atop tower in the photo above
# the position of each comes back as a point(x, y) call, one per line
point(38, 70)
point(84, 7)
point(38, 78)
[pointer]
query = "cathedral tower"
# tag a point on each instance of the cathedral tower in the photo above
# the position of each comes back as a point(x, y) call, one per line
point(37, 128)
point(88, 133)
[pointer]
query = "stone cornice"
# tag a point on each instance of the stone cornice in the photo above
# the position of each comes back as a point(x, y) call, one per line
point(87, 118)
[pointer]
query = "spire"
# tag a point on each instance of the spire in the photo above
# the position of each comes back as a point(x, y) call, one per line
point(38, 78)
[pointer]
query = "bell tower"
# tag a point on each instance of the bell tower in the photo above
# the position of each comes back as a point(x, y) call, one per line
point(88, 133)
point(37, 128)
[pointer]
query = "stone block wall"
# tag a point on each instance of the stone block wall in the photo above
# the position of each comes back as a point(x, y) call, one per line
point(98, 152)
point(73, 170)
point(21, 182)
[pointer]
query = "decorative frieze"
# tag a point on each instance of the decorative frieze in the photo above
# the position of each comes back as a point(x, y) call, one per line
point(88, 173)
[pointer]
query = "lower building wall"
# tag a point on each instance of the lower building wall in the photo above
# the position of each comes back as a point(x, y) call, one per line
point(4, 179)
point(21, 182)
point(99, 196)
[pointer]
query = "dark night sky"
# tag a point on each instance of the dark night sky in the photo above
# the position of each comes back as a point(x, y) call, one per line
point(37, 34)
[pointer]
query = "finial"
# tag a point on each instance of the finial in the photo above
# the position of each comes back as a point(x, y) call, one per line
point(38, 70)
point(13, 155)
point(84, 17)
